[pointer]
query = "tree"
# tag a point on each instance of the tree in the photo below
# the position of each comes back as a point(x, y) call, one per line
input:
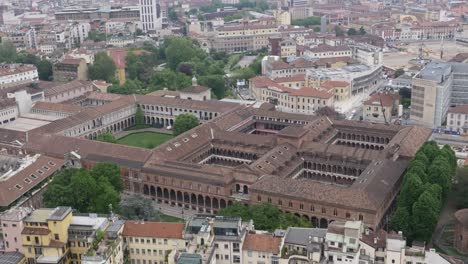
point(172, 14)
point(169, 79)
point(399, 72)
point(338, 31)
point(137, 207)
point(184, 122)
point(86, 190)
point(352, 32)
point(129, 87)
point(216, 83)
point(96, 36)
point(139, 117)
point(110, 172)
point(180, 49)
point(44, 70)
point(307, 22)
point(401, 220)
point(106, 197)
point(425, 215)
point(265, 216)
point(362, 31)
point(410, 191)
point(103, 68)
point(7, 52)
point(107, 137)
point(440, 173)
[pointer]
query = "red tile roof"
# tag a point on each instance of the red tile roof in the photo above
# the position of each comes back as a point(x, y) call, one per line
point(386, 98)
point(459, 109)
point(153, 229)
point(333, 84)
point(262, 243)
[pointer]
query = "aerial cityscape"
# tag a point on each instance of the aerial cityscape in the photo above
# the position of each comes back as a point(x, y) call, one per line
point(233, 132)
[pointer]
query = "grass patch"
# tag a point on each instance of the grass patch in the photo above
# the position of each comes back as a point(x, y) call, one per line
point(169, 218)
point(144, 139)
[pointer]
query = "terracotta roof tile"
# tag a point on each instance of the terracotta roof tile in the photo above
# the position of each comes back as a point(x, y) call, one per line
point(153, 229)
point(262, 243)
point(459, 109)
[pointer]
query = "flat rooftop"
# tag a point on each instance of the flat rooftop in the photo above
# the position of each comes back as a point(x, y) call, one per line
point(25, 124)
point(435, 71)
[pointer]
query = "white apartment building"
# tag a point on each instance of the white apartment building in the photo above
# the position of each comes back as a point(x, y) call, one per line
point(8, 111)
point(457, 119)
point(79, 33)
point(150, 15)
point(327, 51)
point(14, 74)
point(342, 242)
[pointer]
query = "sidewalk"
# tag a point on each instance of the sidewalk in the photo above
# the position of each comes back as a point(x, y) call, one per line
point(149, 129)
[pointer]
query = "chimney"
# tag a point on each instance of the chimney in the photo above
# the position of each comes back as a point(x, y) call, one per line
point(375, 240)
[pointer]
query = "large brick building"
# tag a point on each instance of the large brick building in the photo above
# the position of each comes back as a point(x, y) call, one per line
point(316, 168)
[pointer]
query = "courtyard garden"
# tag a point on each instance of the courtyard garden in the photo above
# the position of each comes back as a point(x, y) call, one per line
point(144, 139)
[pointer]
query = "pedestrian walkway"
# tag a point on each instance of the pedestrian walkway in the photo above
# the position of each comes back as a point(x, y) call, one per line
point(176, 211)
point(121, 134)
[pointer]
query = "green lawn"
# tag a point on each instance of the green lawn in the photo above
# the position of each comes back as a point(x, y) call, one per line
point(144, 139)
point(169, 218)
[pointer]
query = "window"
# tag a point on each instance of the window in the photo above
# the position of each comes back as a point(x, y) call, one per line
point(235, 247)
point(236, 259)
point(56, 236)
point(226, 246)
point(226, 257)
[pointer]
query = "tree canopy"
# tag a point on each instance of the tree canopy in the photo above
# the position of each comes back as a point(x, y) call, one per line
point(7, 52)
point(86, 190)
point(306, 22)
point(184, 122)
point(265, 216)
point(103, 68)
point(138, 207)
point(425, 186)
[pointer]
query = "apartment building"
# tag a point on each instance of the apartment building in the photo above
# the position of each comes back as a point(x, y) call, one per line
point(69, 69)
point(15, 74)
point(45, 235)
point(457, 119)
point(152, 242)
point(342, 242)
point(302, 100)
point(258, 248)
point(327, 51)
point(459, 95)
point(243, 37)
point(229, 236)
point(340, 89)
point(8, 111)
point(304, 243)
point(81, 232)
point(150, 15)
point(431, 92)
point(380, 107)
point(12, 225)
